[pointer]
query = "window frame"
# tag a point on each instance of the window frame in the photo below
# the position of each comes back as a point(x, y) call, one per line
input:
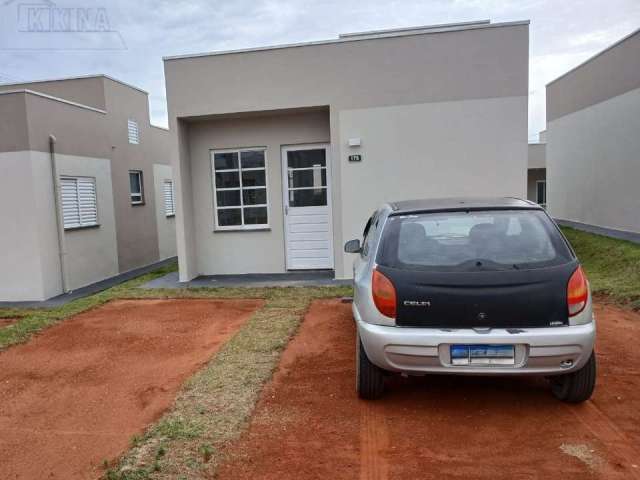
point(240, 188)
point(136, 203)
point(81, 225)
point(132, 125)
point(172, 213)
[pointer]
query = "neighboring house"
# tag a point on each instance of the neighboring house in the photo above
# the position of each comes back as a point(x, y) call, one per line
point(537, 172)
point(89, 139)
point(284, 152)
point(593, 142)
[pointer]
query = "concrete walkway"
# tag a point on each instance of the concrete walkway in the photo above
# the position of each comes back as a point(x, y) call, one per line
point(290, 279)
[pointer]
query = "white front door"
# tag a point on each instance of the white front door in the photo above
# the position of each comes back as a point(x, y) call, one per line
point(307, 206)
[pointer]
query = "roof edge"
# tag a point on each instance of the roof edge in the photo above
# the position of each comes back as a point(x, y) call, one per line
point(78, 77)
point(56, 99)
point(593, 57)
point(406, 32)
point(413, 29)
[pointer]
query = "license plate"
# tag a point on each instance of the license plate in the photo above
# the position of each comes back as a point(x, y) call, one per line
point(482, 354)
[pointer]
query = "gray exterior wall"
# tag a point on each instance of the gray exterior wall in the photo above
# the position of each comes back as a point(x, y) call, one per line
point(593, 144)
point(454, 83)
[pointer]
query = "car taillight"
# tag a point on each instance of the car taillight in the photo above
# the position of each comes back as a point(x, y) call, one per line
point(577, 292)
point(384, 294)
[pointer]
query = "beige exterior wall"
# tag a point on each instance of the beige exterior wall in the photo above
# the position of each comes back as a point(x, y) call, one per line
point(14, 134)
point(593, 168)
point(31, 268)
point(21, 272)
point(86, 91)
point(99, 130)
point(464, 148)
point(414, 75)
point(166, 225)
point(612, 72)
point(537, 155)
point(241, 251)
point(91, 254)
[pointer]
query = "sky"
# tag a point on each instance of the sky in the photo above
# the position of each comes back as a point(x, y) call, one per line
point(42, 39)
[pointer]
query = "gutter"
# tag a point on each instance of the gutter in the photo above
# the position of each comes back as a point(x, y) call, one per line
point(56, 203)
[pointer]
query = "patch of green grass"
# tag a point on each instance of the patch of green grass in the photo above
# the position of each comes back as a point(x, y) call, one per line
point(612, 265)
point(33, 320)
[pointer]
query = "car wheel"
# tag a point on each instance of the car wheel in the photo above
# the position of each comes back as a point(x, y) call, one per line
point(577, 386)
point(369, 377)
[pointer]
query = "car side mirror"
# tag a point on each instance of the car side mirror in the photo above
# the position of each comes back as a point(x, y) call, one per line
point(352, 246)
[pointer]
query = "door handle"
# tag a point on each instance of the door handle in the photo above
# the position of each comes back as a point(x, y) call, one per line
point(286, 209)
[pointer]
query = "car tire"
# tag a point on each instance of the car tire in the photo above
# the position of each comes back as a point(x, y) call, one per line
point(369, 377)
point(577, 386)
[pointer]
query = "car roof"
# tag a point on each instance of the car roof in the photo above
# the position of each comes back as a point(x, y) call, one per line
point(461, 203)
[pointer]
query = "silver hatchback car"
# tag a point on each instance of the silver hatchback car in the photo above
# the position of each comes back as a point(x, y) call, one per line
point(473, 287)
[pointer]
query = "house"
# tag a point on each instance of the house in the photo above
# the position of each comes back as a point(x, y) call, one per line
point(86, 185)
point(537, 171)
point(593, 142)
point(282, 153)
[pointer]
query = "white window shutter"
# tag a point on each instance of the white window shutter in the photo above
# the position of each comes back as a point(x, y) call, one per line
point(79, 202)
point(87, 201)
point(134, 133)
point(169, 199)
point(70, 204)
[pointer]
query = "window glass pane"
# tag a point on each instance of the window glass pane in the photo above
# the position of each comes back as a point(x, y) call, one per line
point(252, 159)
point(255, 216)
point(225, 161)
point(306, 158)
point(308, 178)
point(229, 217)
point(227, 179)
point(228, 198)
point(134, 182)
point(308, 198)
point(471, 241)
point(253, 178)
point(254, 196)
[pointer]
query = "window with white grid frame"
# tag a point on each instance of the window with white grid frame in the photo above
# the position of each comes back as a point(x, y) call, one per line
point(79, 202)
point(240, 189)
point(169, 199)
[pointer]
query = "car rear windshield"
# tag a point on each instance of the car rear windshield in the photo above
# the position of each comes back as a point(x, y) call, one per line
point(472, 240)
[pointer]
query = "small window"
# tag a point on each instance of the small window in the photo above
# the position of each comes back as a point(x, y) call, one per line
point(240, 189)
point(541, 192)
point(134, 133)
point(136, 187)
point(169, 199)
point(79, 202)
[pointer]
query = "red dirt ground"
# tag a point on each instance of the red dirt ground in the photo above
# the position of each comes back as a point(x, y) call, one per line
point(76, 394)
point(5, 322)
point(309, 424)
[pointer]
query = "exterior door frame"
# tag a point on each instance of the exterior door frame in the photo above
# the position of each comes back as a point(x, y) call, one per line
point(285, 195)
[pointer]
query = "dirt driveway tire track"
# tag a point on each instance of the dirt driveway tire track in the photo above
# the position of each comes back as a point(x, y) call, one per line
point(309, 423)
point(76, 394)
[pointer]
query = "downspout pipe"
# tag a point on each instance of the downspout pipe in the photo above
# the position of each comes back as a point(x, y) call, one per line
point(56, 203)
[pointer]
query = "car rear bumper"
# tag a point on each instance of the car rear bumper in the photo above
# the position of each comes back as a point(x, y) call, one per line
point(538, 351)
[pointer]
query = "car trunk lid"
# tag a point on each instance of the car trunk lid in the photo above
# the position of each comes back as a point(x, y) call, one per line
point(483, 298)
